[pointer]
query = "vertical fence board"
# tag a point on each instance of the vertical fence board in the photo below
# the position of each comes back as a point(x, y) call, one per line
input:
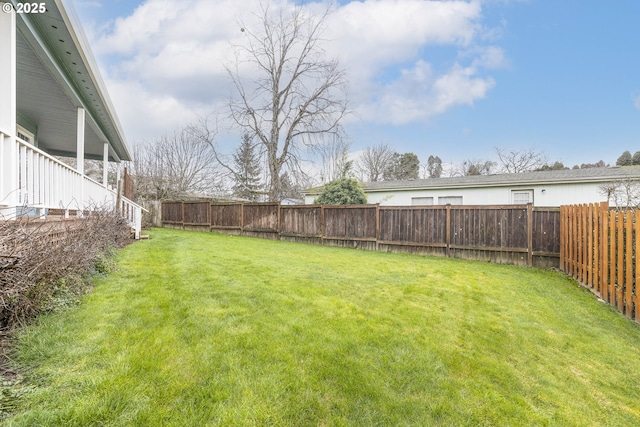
point(582, 256)
point(596, 248)
point(620, 259)
point(589, 231)
point(613, 261)
point(573, 241)
point(606, 244)
point(563, 239)
point(530, 234)
point(448, 231)
point(599, 247)
point(628, 255)
point(636, 299)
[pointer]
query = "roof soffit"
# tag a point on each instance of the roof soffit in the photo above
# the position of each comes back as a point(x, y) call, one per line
point(59, 48)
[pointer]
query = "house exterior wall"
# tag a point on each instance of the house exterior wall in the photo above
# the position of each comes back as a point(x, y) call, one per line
point(547, 195)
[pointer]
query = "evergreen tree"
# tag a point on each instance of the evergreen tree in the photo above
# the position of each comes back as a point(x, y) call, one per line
point(247, 171)
point(556, 166)
point(402, 167)
point(625, 159)
point(434, 167)
point(287, 189)
point(636, 158)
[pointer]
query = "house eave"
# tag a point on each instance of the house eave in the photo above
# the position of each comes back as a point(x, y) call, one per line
point(523, 180)
point(490, 184)
point(57, 40)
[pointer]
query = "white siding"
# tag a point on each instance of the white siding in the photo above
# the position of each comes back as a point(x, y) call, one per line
point(553, 195)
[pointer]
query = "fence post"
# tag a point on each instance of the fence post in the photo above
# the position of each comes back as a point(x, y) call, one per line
point(241, 218)
point(323, 227)
point(596, 247)
point(377, 224)
point(448, 231)
point(590, 231)
point(571, 241)
point(182, 215)
point(278, 227)
point(530, 234)
point(563, 230)
point(635, 261)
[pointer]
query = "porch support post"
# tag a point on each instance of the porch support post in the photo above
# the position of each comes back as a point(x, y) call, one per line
point(8, 147)
point(105, 164)
point(80, 142)
point(118, 189)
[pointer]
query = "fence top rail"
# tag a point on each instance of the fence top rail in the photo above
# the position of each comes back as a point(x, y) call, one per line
point(374, 206)
point(197, 202)
point(257, 204)
point(315, 206)
point(207, 201)
point(349, 206)
point(489, 207)
point(245, 204)
point(227, 203)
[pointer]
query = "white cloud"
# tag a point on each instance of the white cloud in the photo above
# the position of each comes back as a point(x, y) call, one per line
point(166, 60)
point(636, 101)
point(370, 35)
point(489, 57)
point(418, 94)
point(146, 115)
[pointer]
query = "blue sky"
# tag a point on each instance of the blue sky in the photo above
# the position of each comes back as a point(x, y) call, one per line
point(454, 79)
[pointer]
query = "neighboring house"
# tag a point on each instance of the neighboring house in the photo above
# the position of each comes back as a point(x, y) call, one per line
point(53, 102)
point(547, 188)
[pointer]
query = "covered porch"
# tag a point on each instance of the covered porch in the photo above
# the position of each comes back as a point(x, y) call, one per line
point(54, 103)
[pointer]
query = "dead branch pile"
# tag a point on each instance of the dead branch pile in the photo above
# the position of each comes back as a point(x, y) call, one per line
point(45, 262)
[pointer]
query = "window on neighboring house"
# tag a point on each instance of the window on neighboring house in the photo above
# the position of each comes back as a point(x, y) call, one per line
point(422, 201)
point(450, 200)
point(521, 197)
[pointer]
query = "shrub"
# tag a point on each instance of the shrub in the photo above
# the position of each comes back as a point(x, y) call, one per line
point(44, 264)
point(342, 192)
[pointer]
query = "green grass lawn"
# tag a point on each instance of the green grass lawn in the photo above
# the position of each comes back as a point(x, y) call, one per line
point(198, 329)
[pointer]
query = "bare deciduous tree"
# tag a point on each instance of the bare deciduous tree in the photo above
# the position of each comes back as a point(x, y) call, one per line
point(518, 161)
point(175, 166)
point(622, 193)
point(477, 167)
point(374, 161)
point(298, 96)
point(334, 159)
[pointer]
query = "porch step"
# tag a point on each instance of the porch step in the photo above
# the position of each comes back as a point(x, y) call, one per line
point(144, 237)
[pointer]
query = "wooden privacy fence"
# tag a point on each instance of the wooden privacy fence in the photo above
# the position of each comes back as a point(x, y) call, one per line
point(511, 234)
point(598, 247)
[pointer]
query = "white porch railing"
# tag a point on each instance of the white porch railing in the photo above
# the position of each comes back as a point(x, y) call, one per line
point(43, 183)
